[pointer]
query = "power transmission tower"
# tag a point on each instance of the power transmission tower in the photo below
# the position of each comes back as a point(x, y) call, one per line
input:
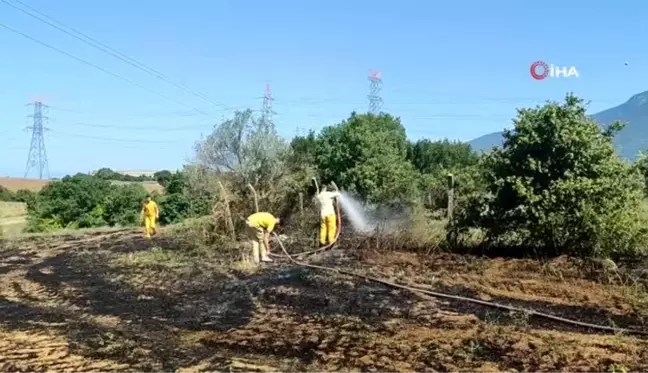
point(266, 112)
point(37, 157)
point(375, 85)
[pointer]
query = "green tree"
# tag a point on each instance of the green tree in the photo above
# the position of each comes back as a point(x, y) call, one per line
point(106, 174)
point(557, 186)
point(304, 149)
point(29, 197)
point(175, 204)
point(641, 165)
point(75, 199)
point(432, 156)
point(162, 177)
point(6, 195)
point(176, 183)
point(249, 150)
point(367, 154)
point(85, 201)
point(174, 208)
point(123, 204)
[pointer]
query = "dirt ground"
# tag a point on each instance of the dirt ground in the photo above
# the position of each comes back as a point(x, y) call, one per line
point(111, 301)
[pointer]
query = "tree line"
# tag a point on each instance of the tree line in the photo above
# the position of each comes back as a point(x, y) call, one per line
point(556, 186)
point(108, 174)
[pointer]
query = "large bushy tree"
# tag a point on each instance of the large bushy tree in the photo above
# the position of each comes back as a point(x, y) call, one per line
point(246, 147)
point(248, 150)
point(367, 154)
point(432, 156)
point(84, 201)
point(73, 199)
point(557, 185)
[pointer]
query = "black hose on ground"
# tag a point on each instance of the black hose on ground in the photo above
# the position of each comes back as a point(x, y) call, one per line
point(460, 298)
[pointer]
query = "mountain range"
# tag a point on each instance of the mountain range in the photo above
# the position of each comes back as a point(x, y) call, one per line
point(629, 142)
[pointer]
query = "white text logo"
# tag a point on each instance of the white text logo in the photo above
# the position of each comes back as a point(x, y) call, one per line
point(541, 70)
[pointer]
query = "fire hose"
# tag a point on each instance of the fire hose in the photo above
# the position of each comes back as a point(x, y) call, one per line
point(436, 294)
point(330, 244)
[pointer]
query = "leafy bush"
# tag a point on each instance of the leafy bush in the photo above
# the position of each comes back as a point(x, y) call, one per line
point(557, 187)
point(6, 195)
point(29, 197)
point(430, 157)
point(84, 201)
point(108, 174)
point(367, 154)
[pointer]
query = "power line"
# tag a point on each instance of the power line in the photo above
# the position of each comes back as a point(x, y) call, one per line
point(108, 50)
point(144, 128)
point(176, 114)
point(160, 129)
point(392, 108)
point(114, 139)
point(434, 101)
point(100, 68)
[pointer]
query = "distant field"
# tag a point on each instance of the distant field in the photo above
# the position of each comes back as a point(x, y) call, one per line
point(35, 185)
point(150, 186)
point(14, 184)
point(13, 217)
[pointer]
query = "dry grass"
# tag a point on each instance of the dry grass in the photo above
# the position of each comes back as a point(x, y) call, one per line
point(14, 184)
point(150, 186)
point(112, 301)
point(13, 218)
point(12, 209)
point(35, 185)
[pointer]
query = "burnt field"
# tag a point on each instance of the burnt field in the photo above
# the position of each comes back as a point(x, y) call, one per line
point(111, 301)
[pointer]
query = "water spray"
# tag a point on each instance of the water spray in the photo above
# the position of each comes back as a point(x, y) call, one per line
point(356, 214)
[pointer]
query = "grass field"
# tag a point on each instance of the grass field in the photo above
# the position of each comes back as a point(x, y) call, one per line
point(14, 184)
point(13, 218)
point(111, 301)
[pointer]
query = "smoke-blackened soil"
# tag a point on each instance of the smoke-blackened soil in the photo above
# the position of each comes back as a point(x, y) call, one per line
point(112, 301)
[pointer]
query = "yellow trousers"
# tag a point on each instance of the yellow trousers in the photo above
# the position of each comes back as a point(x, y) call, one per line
point(149, 226)
point(328, 228)
point(258, 246)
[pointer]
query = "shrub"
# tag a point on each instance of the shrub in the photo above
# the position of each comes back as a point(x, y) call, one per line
point(557, 187)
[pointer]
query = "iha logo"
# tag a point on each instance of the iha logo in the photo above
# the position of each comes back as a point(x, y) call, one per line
point(541, 70)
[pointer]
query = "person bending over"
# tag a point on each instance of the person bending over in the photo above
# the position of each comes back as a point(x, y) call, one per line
point(259, 227)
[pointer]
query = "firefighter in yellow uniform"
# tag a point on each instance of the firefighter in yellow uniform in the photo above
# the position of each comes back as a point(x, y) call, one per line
point(259, 227)
point(150, 214)
point(328, 219)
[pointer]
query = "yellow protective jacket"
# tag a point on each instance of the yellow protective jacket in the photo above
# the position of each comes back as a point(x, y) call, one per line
point(263, 220)
point(150, 209)
point(325, 201)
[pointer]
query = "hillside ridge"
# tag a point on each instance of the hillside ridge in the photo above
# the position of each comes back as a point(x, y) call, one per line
point(629, 142)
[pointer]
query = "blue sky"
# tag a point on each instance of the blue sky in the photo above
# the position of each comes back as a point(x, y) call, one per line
point(455, 69)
